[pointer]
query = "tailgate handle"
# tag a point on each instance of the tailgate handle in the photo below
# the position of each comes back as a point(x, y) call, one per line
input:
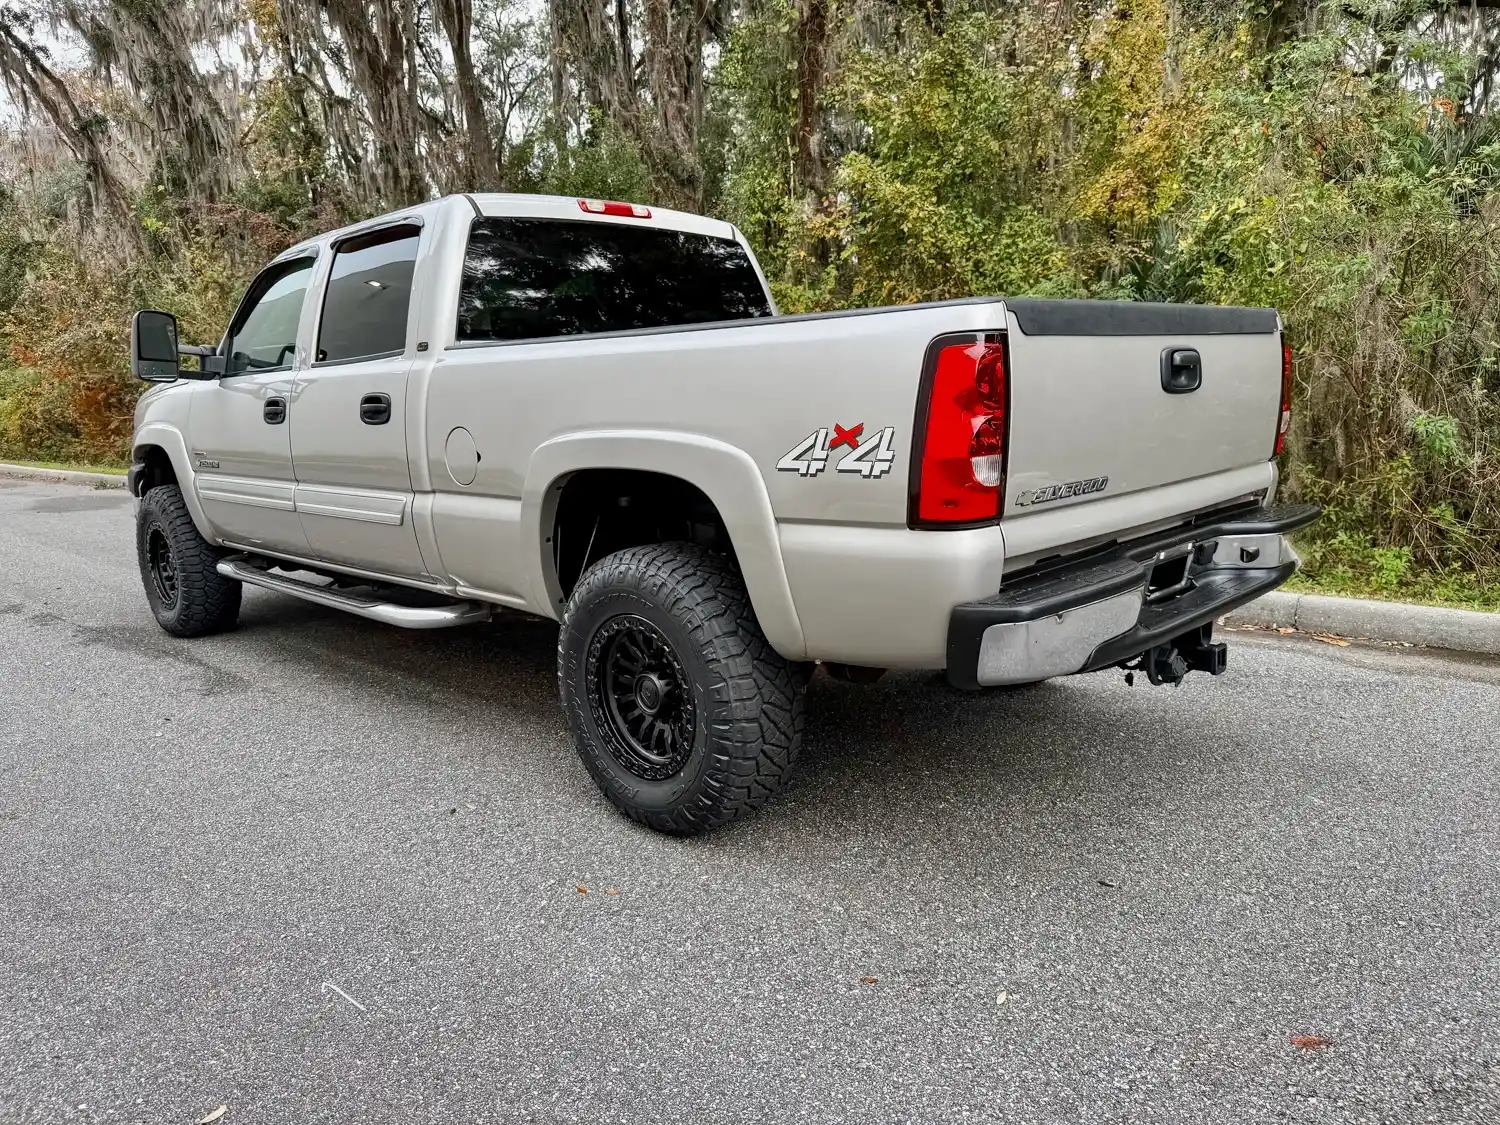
point(1181, 370)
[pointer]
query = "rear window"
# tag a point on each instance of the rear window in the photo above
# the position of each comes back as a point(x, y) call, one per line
point(530, 278)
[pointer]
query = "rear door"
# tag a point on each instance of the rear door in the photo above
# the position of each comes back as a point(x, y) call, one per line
point(348, 418)
point(1110, 398)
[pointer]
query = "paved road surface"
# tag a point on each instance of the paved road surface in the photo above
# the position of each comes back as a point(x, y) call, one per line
point(320, 870)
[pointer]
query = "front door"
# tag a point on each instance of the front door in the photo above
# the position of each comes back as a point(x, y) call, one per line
point(242, 449)
point(354, 493)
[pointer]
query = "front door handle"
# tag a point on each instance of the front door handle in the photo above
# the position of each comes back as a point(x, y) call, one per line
point(274, 412)
point(375, 410)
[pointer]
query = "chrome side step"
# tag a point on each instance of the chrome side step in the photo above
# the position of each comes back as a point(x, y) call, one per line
point(391, 613)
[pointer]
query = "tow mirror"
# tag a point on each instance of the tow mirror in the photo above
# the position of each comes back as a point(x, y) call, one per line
point(153, 347)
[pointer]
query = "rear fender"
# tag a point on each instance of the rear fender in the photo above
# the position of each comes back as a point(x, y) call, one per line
point(726, 475)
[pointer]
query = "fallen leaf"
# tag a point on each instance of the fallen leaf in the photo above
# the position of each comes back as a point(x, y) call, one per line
point(868, 980)
point(1001, 997)
point(1330, 640)
point(1311, 1042)
point(611, 891)
point(215, 1115)
point(1106, 883)
point(581, 889)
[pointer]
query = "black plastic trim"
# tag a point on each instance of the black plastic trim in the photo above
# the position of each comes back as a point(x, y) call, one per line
point(1137, 318)
point(1216, 593)
point(358, 359)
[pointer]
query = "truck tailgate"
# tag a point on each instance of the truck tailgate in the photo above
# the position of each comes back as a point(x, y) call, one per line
point(1091, 413)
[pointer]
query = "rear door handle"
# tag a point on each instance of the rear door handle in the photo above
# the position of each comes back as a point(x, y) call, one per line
point(375, 410)
point(1181, 370)
point(274, 412)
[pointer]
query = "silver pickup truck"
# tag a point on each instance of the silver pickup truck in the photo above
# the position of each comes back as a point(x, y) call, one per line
point(591, 412)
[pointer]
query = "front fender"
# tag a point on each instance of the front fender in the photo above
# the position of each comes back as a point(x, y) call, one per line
point(726, 475)
point(169, 439)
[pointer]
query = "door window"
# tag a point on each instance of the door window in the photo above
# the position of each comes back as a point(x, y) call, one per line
point(264, 335)
point(369, 293)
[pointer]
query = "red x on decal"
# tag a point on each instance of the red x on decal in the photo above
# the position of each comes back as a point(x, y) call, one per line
point(849, 437)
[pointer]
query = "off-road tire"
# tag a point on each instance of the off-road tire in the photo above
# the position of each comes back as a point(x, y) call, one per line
point(203, 601)
point(747, 699)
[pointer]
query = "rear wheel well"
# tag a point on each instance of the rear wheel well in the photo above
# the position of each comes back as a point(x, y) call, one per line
point(601, 511)
point(156, 468)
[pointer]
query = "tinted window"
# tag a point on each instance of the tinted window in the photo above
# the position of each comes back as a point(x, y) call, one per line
point(266, 337)
point(527, 278)
point(369, 290)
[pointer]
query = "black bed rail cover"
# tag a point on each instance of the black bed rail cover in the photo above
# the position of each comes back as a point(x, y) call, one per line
point(1136, 318)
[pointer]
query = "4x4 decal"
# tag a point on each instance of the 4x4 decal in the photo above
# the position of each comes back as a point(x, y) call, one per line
point(870, 457)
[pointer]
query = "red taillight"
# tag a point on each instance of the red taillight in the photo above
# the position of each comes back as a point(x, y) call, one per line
point(1285, 419)
point(619, 210)
point(962, 472)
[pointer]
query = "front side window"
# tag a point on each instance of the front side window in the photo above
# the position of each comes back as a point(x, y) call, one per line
point(527, 279)
point(369, 293)
point(265, 337)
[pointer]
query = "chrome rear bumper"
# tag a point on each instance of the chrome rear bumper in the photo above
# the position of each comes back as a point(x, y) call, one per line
point(1112, 606)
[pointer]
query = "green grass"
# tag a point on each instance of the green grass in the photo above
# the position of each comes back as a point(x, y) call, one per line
point(115, 470)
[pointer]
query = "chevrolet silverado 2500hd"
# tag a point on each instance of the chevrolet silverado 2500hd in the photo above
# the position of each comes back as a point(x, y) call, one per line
point(591, 412)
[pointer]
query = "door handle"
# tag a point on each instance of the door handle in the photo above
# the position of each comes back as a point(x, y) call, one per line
point(1181, 370)
point(274, 412)
point(375, 410)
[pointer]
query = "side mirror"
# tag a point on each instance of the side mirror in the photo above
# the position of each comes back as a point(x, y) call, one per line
point(153, 347)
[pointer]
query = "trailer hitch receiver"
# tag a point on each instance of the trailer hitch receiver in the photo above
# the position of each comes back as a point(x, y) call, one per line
point(1191, 652)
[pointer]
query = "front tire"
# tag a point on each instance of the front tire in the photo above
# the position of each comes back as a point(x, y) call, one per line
point(188, 597)
point(682, 711)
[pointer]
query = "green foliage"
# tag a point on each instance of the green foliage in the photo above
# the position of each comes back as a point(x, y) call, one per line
point(604, 164)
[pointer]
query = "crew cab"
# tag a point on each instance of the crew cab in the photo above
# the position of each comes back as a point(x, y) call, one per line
point(591, 412)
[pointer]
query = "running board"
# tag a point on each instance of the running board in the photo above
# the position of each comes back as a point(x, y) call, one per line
point(390, 613)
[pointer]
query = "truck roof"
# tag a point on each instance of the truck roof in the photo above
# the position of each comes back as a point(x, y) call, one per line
point(519, 205)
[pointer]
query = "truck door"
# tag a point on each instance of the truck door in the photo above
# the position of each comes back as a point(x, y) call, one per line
point(241, 446)
point(354, 492)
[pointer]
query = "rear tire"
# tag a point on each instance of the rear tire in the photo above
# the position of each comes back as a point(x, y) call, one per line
point(188, 597)
point(682, 711)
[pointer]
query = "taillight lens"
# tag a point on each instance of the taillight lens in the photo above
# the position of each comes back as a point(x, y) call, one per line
point(1285, 422)
point(962, 472)
point(610, 207)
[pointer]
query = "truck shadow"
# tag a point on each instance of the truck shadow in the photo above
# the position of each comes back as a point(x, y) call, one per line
point(868, 751)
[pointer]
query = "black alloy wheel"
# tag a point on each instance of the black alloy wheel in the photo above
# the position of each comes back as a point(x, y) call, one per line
point(641, 697)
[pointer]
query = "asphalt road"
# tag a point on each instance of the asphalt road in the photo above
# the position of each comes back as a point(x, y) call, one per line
point(320, 870)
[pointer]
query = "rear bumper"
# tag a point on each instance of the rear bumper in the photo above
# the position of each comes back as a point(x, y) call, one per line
point(1095, 612)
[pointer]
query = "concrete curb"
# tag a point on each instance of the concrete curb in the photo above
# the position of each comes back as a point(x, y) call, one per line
point(1460, 630)
point(72, 476)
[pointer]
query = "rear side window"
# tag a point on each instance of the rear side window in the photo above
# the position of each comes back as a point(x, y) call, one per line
point(530, 278)
point(369, 292)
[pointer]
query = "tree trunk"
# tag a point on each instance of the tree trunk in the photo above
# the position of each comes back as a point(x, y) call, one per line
point(482, 167)
point(809, 172)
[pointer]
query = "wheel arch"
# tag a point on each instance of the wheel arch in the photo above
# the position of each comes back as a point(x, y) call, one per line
point(725, 475)
point(159, 455)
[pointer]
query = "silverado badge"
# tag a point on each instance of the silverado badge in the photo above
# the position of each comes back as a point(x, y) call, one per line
point(1061, 491)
